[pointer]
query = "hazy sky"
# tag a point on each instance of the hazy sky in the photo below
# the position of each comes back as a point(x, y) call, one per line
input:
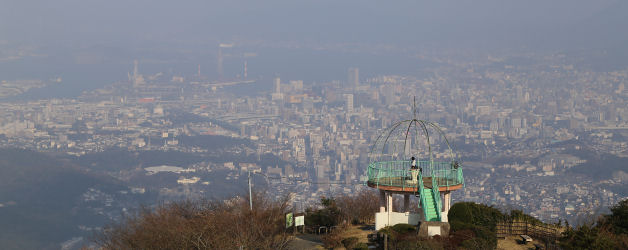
point(400, 21)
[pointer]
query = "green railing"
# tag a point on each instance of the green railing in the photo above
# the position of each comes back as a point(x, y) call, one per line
point(423, 202)
point(436, 194)
point(392, 173)
point(397, 173)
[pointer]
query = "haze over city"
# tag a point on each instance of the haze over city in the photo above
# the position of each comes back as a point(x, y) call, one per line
point(108, 106)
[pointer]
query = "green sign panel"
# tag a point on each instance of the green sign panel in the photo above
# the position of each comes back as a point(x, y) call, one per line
point(289, 220)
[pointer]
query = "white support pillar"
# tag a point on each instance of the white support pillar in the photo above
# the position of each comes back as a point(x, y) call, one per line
point(389, 207)
point(447, 201)
point(446, 204)
point(382, 201)
point(389, 197)
point(406, 202)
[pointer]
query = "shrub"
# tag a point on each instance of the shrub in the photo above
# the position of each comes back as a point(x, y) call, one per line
point(456, 238)
point(611, 231)
point(359, 208)
point(332, 240)
point(328, 216)
point(588, 237)
point(479, 219)
point(619, 217)
point(401, 236)
point(429, 245)
point(460, 212)
point(202, 225)
point(476, 214)
point(350, 242)
point(477, 243)
point(361, 246)
point(404, 228)
point(459, 225)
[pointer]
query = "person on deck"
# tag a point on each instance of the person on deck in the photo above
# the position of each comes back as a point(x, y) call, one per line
point(413, 165)
point(413, 170)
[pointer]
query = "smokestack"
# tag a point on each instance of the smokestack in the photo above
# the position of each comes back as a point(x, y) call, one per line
point(220, 62)
point(245, 70)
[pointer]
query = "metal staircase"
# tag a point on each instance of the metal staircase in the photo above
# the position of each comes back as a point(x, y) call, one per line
point(430, 206)
point(430, 200)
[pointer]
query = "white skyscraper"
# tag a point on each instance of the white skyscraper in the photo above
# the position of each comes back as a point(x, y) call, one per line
point(277, 95)
point(354, 77)
point(277, 83)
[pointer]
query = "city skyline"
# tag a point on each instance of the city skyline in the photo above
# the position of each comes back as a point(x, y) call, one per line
point(108, 106)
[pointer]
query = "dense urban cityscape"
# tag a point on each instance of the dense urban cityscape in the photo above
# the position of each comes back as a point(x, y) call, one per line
point(287, 124)
point(529, 125)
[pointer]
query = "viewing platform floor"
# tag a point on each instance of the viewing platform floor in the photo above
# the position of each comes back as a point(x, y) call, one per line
point(403, 185)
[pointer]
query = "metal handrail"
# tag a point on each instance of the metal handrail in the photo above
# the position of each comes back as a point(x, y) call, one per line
point(422, 196)
point(393, 173)
point(436, 194)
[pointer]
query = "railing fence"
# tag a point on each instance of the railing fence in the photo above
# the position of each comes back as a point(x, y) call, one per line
point(547, 234)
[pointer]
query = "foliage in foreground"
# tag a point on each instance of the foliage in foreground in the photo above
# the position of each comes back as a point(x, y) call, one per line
point(477, 222)
point(357, 208)
point(473, 225)
point(202, 225)
point(610, 231)
point(405, 236)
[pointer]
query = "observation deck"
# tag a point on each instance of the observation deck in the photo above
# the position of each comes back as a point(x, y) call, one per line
point(396, 176)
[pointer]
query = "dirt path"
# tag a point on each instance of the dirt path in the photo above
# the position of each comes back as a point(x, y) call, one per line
point(312, 241)
point(511, 243)
point(360, 232)
point(306, 241)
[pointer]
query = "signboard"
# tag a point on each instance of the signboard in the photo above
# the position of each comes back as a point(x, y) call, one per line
point(433, 230)
point(299, 221)
point(288, 220)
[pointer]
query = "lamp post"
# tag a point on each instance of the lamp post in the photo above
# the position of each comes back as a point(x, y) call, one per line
point(250, 193)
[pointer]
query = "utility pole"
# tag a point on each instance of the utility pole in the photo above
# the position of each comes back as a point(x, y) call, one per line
point(250, 195)
point(385, 241)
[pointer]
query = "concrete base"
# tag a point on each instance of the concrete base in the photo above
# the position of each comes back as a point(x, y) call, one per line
point(428, 229)
point(444, 216)
point(384, 219)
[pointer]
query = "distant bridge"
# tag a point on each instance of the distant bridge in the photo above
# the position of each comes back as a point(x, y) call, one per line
point(239, 117)
point(222, 84)
point(606, 128)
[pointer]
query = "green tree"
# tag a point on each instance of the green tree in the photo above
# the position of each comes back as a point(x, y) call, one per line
point(610, 232)
point(479, 219)
point(329, 215)
point(586, 237)
point(619, 217)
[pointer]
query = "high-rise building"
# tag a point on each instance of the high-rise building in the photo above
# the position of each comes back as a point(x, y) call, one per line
point(276, 96)
point(137, 78)
point(277, 84)
point(219, 69)
point(220, 58)
point(245, 70)
point(389, 94)
point(354, 77)
point(349, 102)
point(296, 85)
